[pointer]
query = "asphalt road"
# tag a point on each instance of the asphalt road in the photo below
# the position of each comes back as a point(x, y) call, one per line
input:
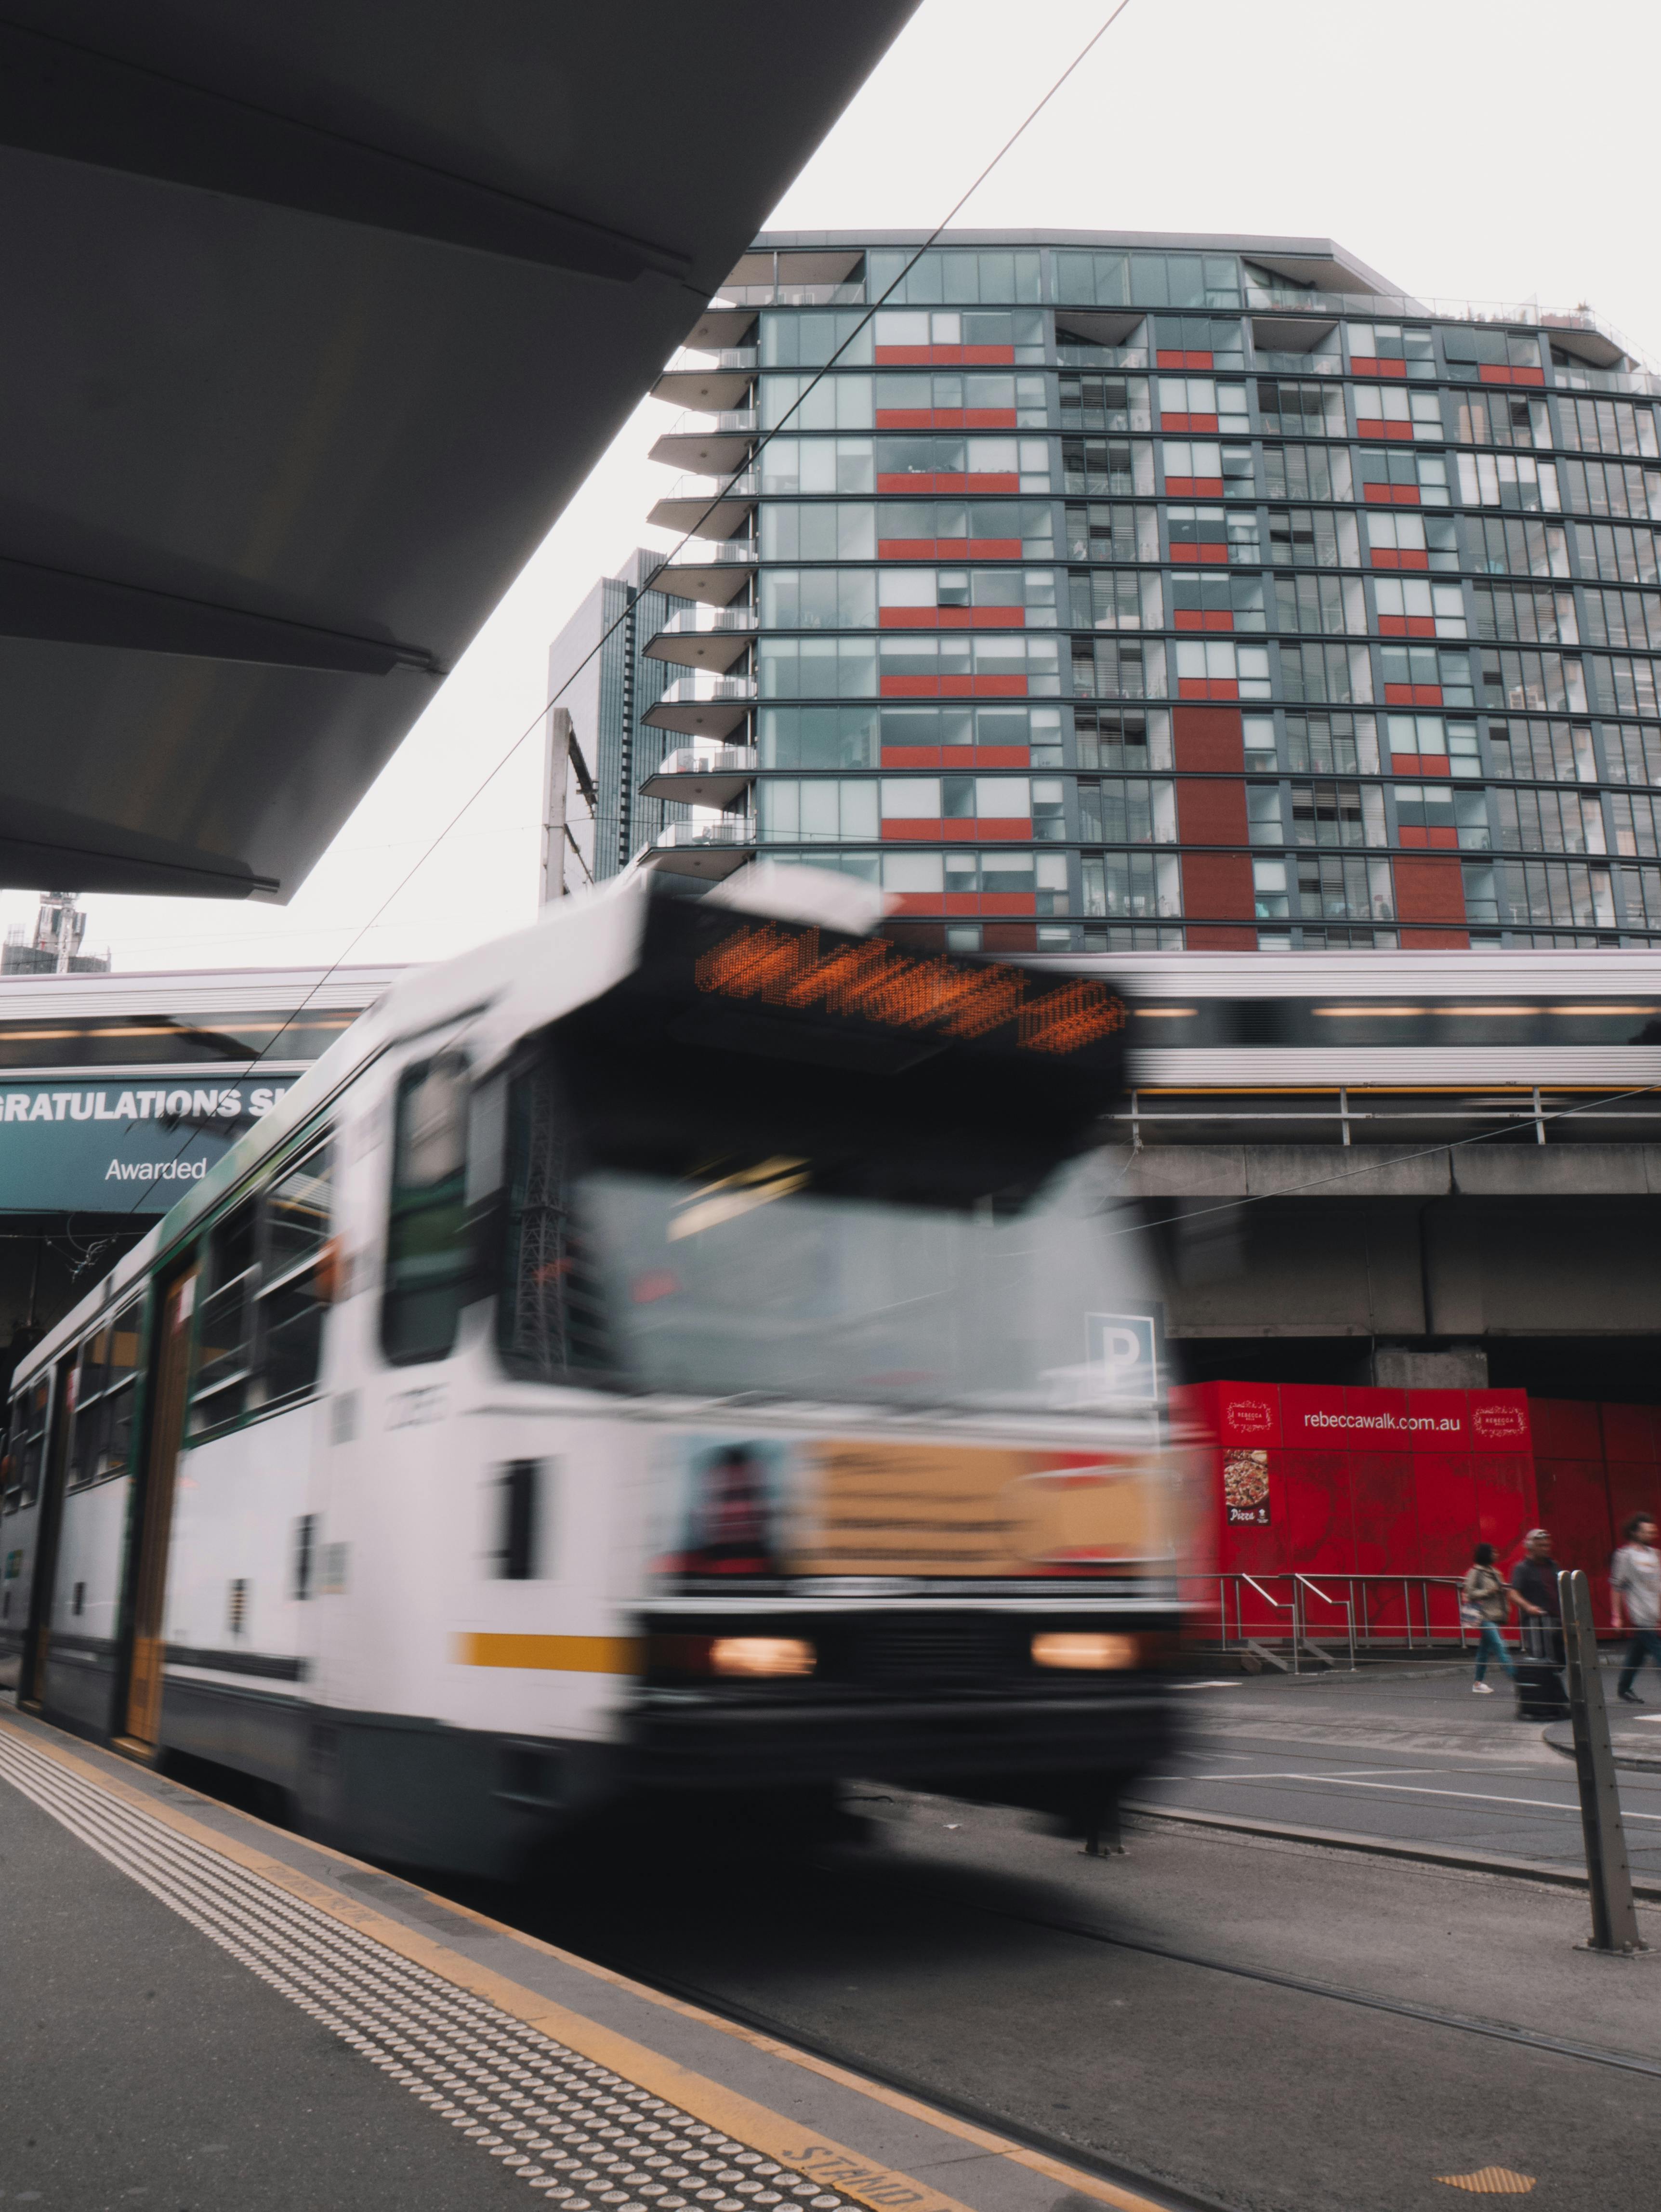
point(1417, 1760)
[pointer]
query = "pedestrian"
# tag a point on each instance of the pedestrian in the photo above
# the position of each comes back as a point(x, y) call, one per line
point(1534, 1581)
point(1485, 1600)
point(1635, 1584)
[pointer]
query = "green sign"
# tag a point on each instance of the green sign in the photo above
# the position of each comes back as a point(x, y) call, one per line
point(115, 1147)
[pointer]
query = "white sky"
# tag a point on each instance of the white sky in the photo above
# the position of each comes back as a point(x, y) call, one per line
point(1483, 150)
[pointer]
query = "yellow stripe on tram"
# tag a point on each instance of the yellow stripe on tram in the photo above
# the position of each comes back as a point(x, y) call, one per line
point(559, 1655)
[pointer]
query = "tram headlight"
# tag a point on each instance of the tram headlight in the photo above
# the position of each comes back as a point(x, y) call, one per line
point(760, 1654)
point(1083, 1651)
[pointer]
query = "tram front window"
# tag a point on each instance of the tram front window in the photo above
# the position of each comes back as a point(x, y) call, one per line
point(745, 1281)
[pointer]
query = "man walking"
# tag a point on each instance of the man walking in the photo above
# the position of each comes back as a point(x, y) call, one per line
point(1635, 1584)
point(1534, 1578)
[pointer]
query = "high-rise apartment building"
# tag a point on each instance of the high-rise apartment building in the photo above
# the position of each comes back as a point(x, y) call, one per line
point(1104, 592)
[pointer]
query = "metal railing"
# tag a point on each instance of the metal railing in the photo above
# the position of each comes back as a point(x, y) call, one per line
point(680, 834)
point(708, 620)
point(722, 760)
point(789, 295)
point(692, 361)
point(744, 485)
point(701, 690)
point(1376, 1612)
point(1401, 307)
point(1531, 1113)
point(729, 549)
point(694, 423)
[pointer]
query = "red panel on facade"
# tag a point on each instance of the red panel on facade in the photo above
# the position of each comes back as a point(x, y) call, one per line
point(911, 756)
point(915, 901)
point(905, 419)
point(987, 418)
point(1321, 1528)
point(908, 618)
point(906, 549)
point(1418, 764)
point(1574, 1509)
point(1386, 1531)
point(1565, 1428)
point(1391, 495)
point(1208, 740)
point(1194, 487)
point(1413, 694)
point(1429, 891)
point(1628, 1432)
point(987, 757)
point(1218, 884)
point(1211, 811)
point(986, 356)
point(903, 356)
point(896, 830)
point(1206, 687)
point(1201, 937)
point(1009, 937)
point(980, 549)
point(1435, 941)
point(1633, 1487)
point(1501, 1423)
point(1243, 1412)
point(1008, 902)
point(1444, 1499)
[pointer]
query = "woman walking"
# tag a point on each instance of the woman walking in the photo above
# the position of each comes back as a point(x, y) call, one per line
point(1485, 1599)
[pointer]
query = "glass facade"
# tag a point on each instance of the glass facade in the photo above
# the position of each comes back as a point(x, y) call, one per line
point(1104, 597)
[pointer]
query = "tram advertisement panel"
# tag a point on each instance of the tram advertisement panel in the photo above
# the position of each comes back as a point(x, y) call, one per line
point(753, 1509)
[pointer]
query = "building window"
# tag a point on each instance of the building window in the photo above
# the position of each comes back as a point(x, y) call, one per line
point(106, 1393)
point(1123, 737)
point(1196, 468)
point(1108, 465)
point(789, 465)
point(1484, 355)
point(1624, 686)
point(1557, 893)
point(1608, 426)
point(1406, 479)
point(1132, 886)
point(818, 736)
point(1112, 668)
point(1432, 813)
point(954, 275)
point(954, 400)
point(828, 530)
point(1105, 403)
point(1196, 342)
point(1534, 821)
point(1641, 896)
point(813, 402)
point(958, 530)
point(1636, 823)
point(1215, 668)
point(1325, 673)
point(1613, 550)
point(809, 341)
point(1621, 618)
point(818, 599)
point(1201, 404)
point(818, 667)
point(1617, 488)
point(1297, 410)
point(1385, 411)
point(1424, 676)
point(1634, 753)
point(831, 809)
point(1320, 606)
point(1544, 680)
point(1330, 888)
point(1391, 350)
point(1345, 745)
point(1504, 546)
point(1264, 823)
point(1315, 537)
point(1308, 471)
point(1115, 599)
point(1331, 814)
point(1502, 418)
point(1218, 603)
point(1127, 811)
point(1412, 606)
point(1116, 533)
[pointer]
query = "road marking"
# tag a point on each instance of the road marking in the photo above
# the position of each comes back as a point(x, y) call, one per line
point(691, 2093)
point(1420, 1789)
point(1491, 2181)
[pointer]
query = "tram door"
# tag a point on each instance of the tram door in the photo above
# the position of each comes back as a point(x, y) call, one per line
point(166, 1429)
point(32, 1679)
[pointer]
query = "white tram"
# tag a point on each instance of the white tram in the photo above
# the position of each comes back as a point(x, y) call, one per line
point(684, 1346)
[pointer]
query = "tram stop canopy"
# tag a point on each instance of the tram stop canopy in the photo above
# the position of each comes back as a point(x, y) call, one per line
point(317, 313)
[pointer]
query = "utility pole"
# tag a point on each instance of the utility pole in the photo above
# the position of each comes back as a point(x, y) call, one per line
point(563, 760)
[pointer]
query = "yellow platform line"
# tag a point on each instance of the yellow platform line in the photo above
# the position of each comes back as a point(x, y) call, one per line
point(815, 2156)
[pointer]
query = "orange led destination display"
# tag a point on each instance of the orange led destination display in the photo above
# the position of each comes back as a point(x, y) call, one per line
point(873, 980)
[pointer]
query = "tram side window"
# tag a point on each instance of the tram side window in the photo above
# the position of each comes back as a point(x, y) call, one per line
point(28, 1443)
point(550, 1318)
point(105, 1392)
point(260, 1338)
point(289, 1320)
point(427, 1260)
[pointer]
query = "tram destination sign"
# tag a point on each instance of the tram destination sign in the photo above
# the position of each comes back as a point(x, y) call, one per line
point(118, 1147)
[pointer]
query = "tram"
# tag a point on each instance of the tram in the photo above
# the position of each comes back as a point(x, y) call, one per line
point(690, 1346)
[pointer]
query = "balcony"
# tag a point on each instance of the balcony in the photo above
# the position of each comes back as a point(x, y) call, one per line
point(714, 445)
point(712, 638)
point(714, 573)
point(708, 506)
point(789, 295)
point(1579, 330)
point(703, 706)
point(708, 380)
point(707, 850)
point(691, 778)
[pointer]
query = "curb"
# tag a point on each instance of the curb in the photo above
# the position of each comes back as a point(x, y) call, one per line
point(1340, 1839)
point(1638, 1758)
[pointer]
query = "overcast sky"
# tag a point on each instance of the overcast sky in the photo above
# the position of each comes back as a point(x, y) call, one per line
point(1493, 149)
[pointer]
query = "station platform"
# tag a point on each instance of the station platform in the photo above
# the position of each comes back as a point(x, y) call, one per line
point(201, 2011)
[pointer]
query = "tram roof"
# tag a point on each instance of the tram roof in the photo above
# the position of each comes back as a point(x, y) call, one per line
point(317, 317)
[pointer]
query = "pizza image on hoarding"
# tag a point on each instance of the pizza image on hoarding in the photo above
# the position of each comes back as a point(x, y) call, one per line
point(1245, 1488)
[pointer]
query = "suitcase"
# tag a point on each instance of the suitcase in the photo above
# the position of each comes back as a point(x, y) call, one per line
point(1540, 1695)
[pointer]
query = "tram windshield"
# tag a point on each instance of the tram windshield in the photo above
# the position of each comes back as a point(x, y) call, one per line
point(725, 1199)
point(745, 1281)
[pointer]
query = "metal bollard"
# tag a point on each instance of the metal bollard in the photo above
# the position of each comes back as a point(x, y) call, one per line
point(1614, 1916)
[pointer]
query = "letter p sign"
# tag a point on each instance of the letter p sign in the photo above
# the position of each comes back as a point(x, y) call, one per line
point(1121, 1349)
